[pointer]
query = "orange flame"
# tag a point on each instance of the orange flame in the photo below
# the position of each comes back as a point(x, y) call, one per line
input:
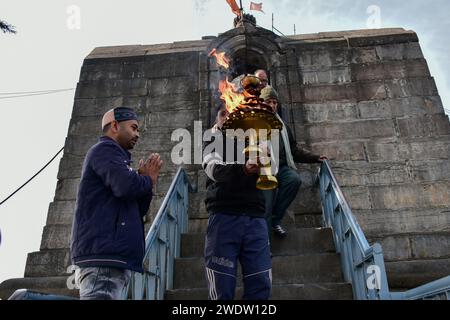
point(221, 59)
point(229, 95)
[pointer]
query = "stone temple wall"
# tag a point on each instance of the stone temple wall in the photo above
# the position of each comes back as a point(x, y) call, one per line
point(365, 99)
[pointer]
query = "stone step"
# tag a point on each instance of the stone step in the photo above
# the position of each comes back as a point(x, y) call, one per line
point(48, 263)
point(309, 291)
point(52, 285)
point(309, 220)
point(199, 223)
point(414, 273)
point(298, 241)
point(305, 203)
point(56, 236)
point(309, 268)
point(61, 212)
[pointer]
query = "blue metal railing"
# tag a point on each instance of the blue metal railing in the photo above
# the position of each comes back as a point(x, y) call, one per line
point(162, 244)
point(362, 264)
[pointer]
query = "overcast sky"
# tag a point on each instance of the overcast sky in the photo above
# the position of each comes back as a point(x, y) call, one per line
point(50, 46)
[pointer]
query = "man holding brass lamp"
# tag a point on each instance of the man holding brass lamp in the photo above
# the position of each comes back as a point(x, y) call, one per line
point(237, 229)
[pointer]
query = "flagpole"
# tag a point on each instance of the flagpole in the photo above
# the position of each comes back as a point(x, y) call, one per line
point(272, 21)
point(242, 8)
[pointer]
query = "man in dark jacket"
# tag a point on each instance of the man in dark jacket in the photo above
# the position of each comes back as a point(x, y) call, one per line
point(289, 182)
point(108, 232)
point(237, 229)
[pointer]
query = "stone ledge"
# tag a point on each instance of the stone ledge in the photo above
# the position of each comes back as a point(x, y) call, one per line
point(52, 285)
point(411, 274)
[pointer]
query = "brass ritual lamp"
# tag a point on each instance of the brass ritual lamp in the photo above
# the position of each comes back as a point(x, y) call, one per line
point(253, 113)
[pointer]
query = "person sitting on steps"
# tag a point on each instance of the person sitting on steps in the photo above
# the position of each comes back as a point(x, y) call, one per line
point(278, 201)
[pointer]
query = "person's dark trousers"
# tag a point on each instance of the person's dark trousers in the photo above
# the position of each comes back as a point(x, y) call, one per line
point(279, 200)
point(269, 196)
point(230, 238)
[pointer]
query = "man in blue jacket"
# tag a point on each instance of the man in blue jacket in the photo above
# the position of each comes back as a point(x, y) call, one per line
point(108, 231)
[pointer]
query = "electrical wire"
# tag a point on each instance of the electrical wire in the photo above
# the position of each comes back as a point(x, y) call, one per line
point(31, 93)
point(34, 176)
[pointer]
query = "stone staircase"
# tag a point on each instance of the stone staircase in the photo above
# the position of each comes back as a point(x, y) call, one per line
point(305, 264)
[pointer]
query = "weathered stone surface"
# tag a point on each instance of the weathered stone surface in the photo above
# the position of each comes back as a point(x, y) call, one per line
point(56, 237)
point(309, 221)
point(51, 285)
point(197, 225)
point(314, 60)
point(67, 189)
point(434, 149)
point(396, 248)
point(48, 263)
point(424, 126)
point(357, 197)
point(70, 166)
point(334, 75)
point(111, 88)
point(285, 76)
point(165, 180)
point(384, 222)
point(399, 51)
point(411, 274)
point(410, 196)
point(430, 170)
point(415, 246)
point(301, 241)
point(363, 55)
point(61, 212)
point(171, 65)
point(327, 112)
point(312, 268)
point(176, 85)
point(322, 93)
point(322, 291)
point(401, 107)
point(429, 246)
point(364, 41)
point(390, 70)
point(348, 151)
point(110, 71)
point(197, 208)
point(306, 202)
point(364, 173)
point(352, 130)
point(171, 120)
point(409, 87)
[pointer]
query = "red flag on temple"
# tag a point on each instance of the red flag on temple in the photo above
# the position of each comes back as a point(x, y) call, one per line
point(234, 7)
point(256, 6)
